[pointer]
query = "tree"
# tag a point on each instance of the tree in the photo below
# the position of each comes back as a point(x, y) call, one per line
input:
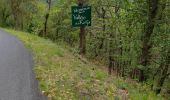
point(46, 18)
point(162, 72)
point(153, 15)
point(82, 34)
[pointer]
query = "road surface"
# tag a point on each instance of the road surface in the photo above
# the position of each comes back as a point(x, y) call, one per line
point(17, 79)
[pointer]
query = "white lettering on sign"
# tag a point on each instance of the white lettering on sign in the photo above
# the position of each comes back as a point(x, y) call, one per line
point(78, 17)
point(81, 10)
point(87, 22)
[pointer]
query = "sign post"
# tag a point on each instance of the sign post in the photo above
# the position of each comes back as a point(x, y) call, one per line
point(81, 17)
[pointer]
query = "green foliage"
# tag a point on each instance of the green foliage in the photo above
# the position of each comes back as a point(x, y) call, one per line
point(115, 37)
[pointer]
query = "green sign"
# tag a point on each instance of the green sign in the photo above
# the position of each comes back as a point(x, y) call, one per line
point(81, 16)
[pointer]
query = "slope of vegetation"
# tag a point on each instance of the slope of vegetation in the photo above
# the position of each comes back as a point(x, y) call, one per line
point(131, 38)
point(62, 76)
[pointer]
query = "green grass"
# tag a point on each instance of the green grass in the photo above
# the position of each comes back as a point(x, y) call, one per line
point(64, 77)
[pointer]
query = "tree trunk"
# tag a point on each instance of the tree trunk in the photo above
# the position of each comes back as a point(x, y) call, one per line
point(46, 18)
point(110, 49)
point(45, 25)
point(82, 41)
point(110, 65)
point(82, 34)
point(146, 45)
point(104, 27)
point(15, 12)
point(162, 73)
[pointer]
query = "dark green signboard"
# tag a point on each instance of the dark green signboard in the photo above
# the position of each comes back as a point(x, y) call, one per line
point(81, 16)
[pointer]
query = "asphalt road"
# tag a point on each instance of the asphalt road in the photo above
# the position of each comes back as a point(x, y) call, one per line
point(17, 79)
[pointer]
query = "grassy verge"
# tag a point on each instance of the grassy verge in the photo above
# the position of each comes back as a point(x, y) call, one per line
point(64, 77)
